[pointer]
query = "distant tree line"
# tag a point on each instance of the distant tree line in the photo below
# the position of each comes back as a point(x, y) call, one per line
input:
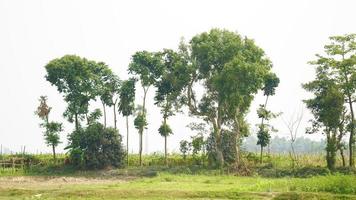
point(281, 145)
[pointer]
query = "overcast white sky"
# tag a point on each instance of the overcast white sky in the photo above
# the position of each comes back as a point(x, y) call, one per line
point(34, 32)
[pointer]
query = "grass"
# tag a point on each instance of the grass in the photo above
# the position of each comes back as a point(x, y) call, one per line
point(182, 179)
point(182, 186)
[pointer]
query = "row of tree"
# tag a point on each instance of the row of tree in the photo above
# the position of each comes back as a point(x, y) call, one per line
point(215, 76)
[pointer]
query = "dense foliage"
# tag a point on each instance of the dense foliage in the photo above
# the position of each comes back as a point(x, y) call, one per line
point(96, 147)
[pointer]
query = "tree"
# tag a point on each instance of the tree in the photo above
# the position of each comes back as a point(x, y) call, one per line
point(108, 88)
point(263, 134)
point(146, 66)
point(52, 129)
point(327, 107)
point(232, 69)
point(340, 59)
point(52, 135)
point(198, 142)
point(127, 105)
point(140, 123)
point(170, 85)
point(264, 129)
point(74, 78)
point(293, 125)
point(184, 147)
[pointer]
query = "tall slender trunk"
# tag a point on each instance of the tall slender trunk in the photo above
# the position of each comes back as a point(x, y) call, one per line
point(86, 116)
point(352, 131)
point(352, 134)
point(115, 120)
point(262, 120)
point(140, 149)
point(342, 157)
point(127, 138)
point(142, 128)
point(104, 110)
point(76, 121)
point(293, 156)
point(165, 139)
point(237, 147)
point(54, 152)
point(165, 150)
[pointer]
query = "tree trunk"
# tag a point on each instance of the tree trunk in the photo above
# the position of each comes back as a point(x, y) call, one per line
point(293, 155)
point(351, 140)
point(238, 135)
point(127, 138)
point(331, 151)
point(262, 120)
point(76, 121)
point(141, 129)
point(140, 150)
point(237, 148)
point(115, 120)
point(218, 147)
point(54, 152)
point(352, 137)
point(104, 111)
point(86, 116)
point(261, 154)
point(342, 157)
point(165, 150)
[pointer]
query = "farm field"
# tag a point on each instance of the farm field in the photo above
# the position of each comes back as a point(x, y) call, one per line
point(177, 186)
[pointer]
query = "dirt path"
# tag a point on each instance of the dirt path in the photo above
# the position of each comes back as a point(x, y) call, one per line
point(53, 182)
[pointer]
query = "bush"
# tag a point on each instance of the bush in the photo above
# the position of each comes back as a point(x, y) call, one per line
point(96, 147)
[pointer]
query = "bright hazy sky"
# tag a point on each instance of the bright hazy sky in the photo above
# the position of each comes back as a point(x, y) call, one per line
point(34, 32)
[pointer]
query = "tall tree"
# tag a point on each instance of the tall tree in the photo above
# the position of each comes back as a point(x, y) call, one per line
point(170, 85)
point(327, 107)
point(340, 59)
point(127, 105)
point(52, 129)
point(108, 88)
point(231, 69)
point(146, 66)
point(74, 78)
point(263, 134)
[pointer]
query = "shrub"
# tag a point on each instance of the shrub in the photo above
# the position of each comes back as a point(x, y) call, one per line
point(96, 147)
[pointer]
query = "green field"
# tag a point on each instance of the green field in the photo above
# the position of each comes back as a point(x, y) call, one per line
point(176, 186)
point(181, 179)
